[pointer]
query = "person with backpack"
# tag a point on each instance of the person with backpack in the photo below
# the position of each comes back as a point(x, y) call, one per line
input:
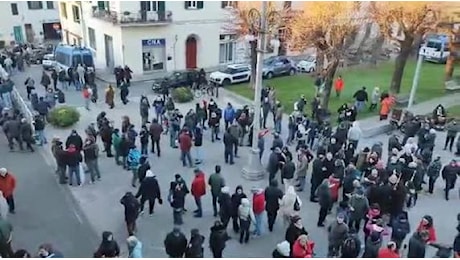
point(134, 156)
point(351, 246)
point(132, 207)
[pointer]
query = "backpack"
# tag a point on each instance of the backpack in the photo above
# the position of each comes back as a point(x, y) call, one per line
point(134, 157)
point(349, 245)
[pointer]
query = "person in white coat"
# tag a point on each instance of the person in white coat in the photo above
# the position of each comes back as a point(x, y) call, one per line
point(290, 205)
point(3, 207)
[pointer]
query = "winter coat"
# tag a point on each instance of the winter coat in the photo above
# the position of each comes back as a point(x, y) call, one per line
point(299, 251)
point(387, 253)
point(337, 233)
point(416, 247)
point(177, 192)
point(76, 140)
point(149, 188)
point(195, 247)
point(136, 250)
point(218, 238)
point(198, 187)
point(324, 195)
point(431, 231)
point(245, 211)
point(258, 202)
point(73, 157)
point(293, 232)
point(273, 195)
point(236, 200)
point(288, 201)
point(175, 244)
point(108, 248)
point(360, 206)
point(4, 208)
point(216, 182)
point(288, 170)
point(351, 247)
point(372, 248)
point(225, 204)
point(26, 132)
point(400, 228)
point(155, 131)
point(131, 207)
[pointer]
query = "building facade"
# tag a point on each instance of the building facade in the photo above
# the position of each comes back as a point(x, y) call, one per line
point(153, 36)
point(29, 21)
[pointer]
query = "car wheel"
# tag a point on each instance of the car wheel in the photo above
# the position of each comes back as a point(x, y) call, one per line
point(269, 75)
point(226, 82)
point(291, 72)
point(310, 70)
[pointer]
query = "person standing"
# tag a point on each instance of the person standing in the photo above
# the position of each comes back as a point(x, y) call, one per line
point(325, 201)
point(11, 128)
point(258, 207)
point(149, 190)
point(110, 97)
point(134, 247)
point(81, 74)
point(124, 92)
point(87, 96)
point(7, 187)
point(144, 106)
point(144, 139)
point(294, 231)
point(45, 80)
point(246, 217)
point(216, 182)
point(287, 173)
point(433, 171)
point(229, 115)
point(132, 207)
point(218, 239)
point(361, 98)
point(30, 85)
point(452, 131)
point(229, 141)
point(127, 74)
point(338, 86)
point(417, 244)
point(273, 196)
point(185, 145)
point(175, 243)
point(6, 231)
point(155, 132)
point(26, 134)
point(337, 233)
point(449, 174)
point(198, 143)
point(108, 248)
point(39, 126)
point(73, 160)
point(198, 190)
point(177, 191)
point(225, 206)
point(316, 176)
point(236, 202)
point(195, 246)
point(90, 154)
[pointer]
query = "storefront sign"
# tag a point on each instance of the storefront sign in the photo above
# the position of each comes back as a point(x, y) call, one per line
point(154, 42)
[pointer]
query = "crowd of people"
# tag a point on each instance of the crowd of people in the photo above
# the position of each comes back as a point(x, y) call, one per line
point(363, 192)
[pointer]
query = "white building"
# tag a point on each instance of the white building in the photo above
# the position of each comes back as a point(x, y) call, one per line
point(153, 36)
point(29, 21)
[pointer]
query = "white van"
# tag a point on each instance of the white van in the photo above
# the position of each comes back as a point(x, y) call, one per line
point(48, 61)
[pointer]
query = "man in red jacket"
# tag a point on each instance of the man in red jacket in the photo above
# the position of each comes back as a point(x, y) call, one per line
point(391, 251)
point(185, 145)
point(198, 190)
point(258, 207)
point(7, 187)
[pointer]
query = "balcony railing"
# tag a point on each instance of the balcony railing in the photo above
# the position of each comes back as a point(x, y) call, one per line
point(136, 18)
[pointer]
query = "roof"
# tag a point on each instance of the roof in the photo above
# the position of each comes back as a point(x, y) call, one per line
point(238, 66)
point(70, 48)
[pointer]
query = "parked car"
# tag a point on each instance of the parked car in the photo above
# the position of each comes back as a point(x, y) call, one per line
point(277, 66)
point(48, 61)
point(232, 74)
point(175, 80)
point(307, 65)
point(37, 56)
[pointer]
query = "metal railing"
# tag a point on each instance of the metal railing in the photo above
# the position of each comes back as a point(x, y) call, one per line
point(140, 17)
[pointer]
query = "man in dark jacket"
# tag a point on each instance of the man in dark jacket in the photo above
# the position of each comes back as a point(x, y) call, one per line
point(131, 211)
point(417, 244)
point(11, 128)
point(216, 182)
point(433, 171)
point(177, 191)
point(90, 153)
point(351, 246)
point(316, 176)
point(195, 246)
point(73, 160)
point(287, 173)
point(400, 228)
point(449, 174)
point(273, 195)
point(175, 243)
point(236, 202)
point(106, 131)
point(273, 163)
point(218, 239)
point(26, 134)
point(229, 140)
point(225, 206)
point(75, 139)
point(155, 134)
point(149, 190)
point(361, 98)
point(294, 231)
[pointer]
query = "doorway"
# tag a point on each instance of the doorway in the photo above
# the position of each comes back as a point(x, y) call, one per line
point(190, 52)
point(109, 62)
point(18, 36)
point(29, 32)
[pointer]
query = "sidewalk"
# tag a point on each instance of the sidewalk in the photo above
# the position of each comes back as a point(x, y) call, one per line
point(373, 126)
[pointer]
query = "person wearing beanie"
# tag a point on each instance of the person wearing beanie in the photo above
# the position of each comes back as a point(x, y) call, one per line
point(282, 250)
point(7, 187)
point(177, 191)
point(195, 246)
point(149, 190)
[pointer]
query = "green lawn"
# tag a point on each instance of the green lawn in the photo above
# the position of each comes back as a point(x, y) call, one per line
point(454, 112)
point(289, 89)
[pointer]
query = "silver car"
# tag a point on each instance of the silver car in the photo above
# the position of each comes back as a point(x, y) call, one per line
point(277, 66)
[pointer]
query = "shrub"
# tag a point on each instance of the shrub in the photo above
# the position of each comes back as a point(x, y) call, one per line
point(182, 95)
point(63, 116)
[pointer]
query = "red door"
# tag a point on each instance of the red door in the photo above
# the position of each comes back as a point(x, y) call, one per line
point(190, 53)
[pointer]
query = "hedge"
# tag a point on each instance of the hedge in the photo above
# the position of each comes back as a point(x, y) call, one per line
point(63, 116)
point(182, 95)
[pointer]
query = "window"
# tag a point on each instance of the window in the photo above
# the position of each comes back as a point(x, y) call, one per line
point(63, 10)
point(49, 5)
point(76, 13)
point(225, 4)
point(287, 4)
point(35, 5)
point(227, 48)
point(193, 4)
point(92, 38)
point(88, 60)
point(14, 9)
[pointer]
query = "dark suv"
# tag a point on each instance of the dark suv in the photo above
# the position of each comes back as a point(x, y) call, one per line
point(175, 80)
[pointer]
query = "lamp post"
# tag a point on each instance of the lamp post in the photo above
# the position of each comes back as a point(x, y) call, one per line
point(254, 171)
point(418, 68)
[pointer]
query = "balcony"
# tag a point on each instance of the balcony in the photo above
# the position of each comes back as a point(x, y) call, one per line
point(140, 18)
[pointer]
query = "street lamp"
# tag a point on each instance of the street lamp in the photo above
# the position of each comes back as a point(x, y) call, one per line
point(418, 68)
point(254, 171)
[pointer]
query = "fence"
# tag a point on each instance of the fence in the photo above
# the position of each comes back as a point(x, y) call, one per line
point(20, 104)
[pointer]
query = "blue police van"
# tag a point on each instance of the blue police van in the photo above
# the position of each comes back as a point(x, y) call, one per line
point(67, 56)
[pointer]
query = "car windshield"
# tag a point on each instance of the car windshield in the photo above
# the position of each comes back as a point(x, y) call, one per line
point(88, 60)
point(434, 44)
point(48, 57)
point(269, 62)
point(310, 59)
point(228, 71)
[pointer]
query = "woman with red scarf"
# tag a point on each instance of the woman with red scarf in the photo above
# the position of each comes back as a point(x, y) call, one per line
point(427, 224)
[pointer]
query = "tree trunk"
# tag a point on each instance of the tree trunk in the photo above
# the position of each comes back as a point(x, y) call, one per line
point(319, 61)
point(367, 32)
point(450, 62)
point(377, 49)
point(328, 80)
point(253, 56)
point(400, 64)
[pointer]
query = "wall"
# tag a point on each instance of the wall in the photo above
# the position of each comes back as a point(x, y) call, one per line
point(69, 24)
point(25, 16)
